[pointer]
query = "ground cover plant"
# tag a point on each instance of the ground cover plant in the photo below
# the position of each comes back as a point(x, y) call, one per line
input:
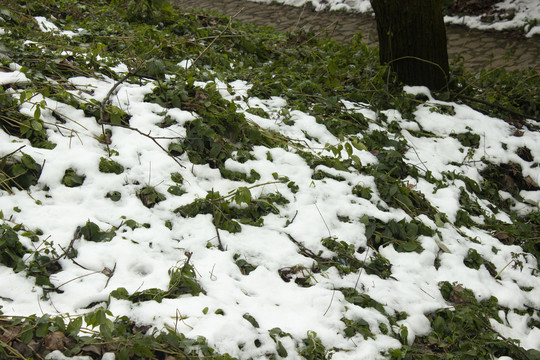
point(180, 185)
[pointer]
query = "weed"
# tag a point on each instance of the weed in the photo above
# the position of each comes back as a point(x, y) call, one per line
point(182, 281)
point(19, 173)
point(72, 179)
point(149, 196)
point(227, 216)
point(110, 166)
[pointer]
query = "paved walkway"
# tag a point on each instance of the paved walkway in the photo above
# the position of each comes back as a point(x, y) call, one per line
point(479, 49)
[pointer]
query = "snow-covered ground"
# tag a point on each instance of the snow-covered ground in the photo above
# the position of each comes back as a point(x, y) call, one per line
point(141, 256)
point(517, 13)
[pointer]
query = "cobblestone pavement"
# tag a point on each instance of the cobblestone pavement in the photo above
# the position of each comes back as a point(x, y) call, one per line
point(479, 49)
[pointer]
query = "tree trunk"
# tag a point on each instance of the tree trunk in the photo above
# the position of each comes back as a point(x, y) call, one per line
point(412, 40)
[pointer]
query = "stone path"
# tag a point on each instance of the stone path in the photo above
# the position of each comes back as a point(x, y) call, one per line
point(479, 49)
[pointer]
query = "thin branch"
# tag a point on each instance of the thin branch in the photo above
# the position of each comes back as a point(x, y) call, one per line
point(220, 244)
point(106, 100)
point(361, 269)
point(151, 138)
point(11, 153)
point(325, 224)
point(331, 300)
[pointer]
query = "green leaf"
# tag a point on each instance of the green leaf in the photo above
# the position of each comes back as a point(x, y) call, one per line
point(114, 195)
point(281, 350)
point(110, 166)
point(106, 328)
point(408, 246)
point(348, 149)
point(123, 354)
point(176, 149)
point(120, 294)
point(359, 145)
point(533, 354)
point(438, 220)
point(37, 115)
point(176, 190)
point(74, 326)
point(403, 335)
point(243, 195)
point(177, 177)
point(72, 179)
point(59, 323)
point(356, 160)
point(28, 162)
point(251, 320)
point(42, 330)
point(91, 232)
point(27, 335)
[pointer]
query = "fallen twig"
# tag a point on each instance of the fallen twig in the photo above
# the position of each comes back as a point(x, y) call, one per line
point(220, 244)
point(154, 139)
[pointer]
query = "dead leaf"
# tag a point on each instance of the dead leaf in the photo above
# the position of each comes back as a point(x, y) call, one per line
point(504, 237)
point(11, 333)
point(458, 296)
point(140, 329)
point(507, 182)
point(531, 184)
point(95, 349)
point(56, 341)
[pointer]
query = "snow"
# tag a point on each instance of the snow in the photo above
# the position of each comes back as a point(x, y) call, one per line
point(46, 25)
point(526, 14)
point(142, 257)
point(518, 13)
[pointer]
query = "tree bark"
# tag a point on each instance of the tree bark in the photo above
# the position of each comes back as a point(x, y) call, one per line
point(412, 40)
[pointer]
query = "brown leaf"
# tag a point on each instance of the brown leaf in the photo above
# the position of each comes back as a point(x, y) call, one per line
point(140, 329)
point(34, 345)
point(107, 272)
point(531, 184)
point(98, 350)
point(504, 237)
point(525, 153)
point(458, 296)
point(56, 341)
point(507, 182)
point(12, 332)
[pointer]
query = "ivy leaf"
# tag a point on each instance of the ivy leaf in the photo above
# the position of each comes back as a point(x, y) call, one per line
point(37, 115)
point(27, 336)
point(156, 68)
point(110, 166)
point(74, 326)
point(106, 328)
point(243, 195)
